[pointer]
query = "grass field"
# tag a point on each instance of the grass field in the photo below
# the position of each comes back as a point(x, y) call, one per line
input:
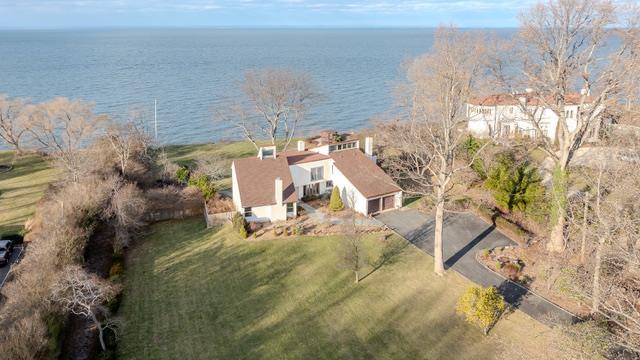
point(21, 188)
point(193, 293)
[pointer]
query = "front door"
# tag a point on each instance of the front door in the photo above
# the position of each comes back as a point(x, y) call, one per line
point(311, 189)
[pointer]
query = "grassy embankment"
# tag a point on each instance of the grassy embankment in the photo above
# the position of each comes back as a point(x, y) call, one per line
point(21, 188)
point(205, 294)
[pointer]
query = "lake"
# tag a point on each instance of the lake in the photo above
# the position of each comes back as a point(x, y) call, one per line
point(192, 73)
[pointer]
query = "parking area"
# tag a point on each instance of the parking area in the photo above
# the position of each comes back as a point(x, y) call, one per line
point(15, 256)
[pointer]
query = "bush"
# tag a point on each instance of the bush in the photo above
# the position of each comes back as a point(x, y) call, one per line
point(238, 221)
point(482, 307)
point(470, 147)
point(206, 186)
point(275, 231)
point(485, 252)
point(298, 229)
point(499, 264)
point(254, 226)
point(335, 203)
point(515, 186)
point(182, 174)
point(243, 232)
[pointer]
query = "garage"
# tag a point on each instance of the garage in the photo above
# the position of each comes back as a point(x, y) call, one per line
point(373, 206)
point(388, 202)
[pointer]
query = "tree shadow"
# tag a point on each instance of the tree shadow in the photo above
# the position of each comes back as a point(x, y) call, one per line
point(388, 256)
point(470, 245)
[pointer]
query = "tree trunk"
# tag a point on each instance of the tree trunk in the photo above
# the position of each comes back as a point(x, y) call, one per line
point(559, 209)
point(595, 298)
point(438, 251)
point(583, 245)
point(357, 277)
point(100, 334)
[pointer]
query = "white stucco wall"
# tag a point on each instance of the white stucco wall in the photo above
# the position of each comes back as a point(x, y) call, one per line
point(491, 123)
point(349, 193)
point(301, 175)
point(269, 213)
point(235, 190)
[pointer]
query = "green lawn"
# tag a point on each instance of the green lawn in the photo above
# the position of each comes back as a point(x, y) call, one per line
point(193, 293)
point(21, 188)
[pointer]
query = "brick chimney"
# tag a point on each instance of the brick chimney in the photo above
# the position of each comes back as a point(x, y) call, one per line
point(300, 145)
point(278, 191)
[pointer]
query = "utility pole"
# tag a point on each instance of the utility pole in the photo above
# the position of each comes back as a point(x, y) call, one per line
point(155, 118)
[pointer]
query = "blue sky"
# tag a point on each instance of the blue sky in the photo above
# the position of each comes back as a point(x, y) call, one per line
point(259, 13)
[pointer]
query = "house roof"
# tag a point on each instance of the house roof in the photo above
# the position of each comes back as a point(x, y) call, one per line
point(256, 180)
point(364, 174)
point(532, 99)
point(295, 157)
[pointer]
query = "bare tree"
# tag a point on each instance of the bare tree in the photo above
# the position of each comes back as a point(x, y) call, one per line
point(560, 50)
point(610, 278)
point(129, 141)
point(351, 251)
point(212, 166)
point(62, 127)
point(277, 101)
point(13, 121)
point(85, 294)
point(128, 205)
point(439, 85)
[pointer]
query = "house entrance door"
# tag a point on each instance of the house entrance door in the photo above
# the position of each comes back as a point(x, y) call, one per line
point(311, 189)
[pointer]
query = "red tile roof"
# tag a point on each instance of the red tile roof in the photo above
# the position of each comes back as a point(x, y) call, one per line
point(364, 174)
point(532, 99)
point(256, 180)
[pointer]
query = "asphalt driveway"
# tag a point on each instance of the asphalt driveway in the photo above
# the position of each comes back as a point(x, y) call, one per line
point(4, 271)
point(465, 235)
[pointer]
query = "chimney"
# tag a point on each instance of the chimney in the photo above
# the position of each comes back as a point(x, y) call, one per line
point(278, 191)
point(368, 146)
point(300, 145)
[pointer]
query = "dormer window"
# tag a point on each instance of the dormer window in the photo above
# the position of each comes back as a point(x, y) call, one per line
point(267, 152)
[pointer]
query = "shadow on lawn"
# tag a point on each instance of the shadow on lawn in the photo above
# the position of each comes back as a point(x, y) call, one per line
point(221, 297)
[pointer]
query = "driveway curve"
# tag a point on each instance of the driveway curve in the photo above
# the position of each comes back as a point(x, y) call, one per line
point(464, 236)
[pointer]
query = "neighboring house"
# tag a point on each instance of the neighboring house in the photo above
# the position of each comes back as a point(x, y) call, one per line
point(269, 186)
point(502, 115)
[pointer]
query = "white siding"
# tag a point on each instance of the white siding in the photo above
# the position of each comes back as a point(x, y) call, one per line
point(349, 193)
point(301, 175)
point(235, 190)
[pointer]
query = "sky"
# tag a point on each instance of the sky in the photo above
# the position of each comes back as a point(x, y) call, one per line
point(45, 14)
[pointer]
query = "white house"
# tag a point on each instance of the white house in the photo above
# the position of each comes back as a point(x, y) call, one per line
point(502, 115)
point(267, 187)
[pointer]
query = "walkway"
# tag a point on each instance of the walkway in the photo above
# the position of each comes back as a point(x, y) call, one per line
point(464, 236)
point(322, 218)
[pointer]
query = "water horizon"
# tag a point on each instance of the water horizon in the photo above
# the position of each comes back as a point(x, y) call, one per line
point(193, 72)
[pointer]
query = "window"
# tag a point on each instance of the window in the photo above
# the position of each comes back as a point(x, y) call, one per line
point(329, 184)
point(267, 153)
point(290, 207)
point(248, 212)
point(317, 173)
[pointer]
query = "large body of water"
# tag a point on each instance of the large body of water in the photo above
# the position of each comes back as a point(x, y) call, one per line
point(192, 73)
